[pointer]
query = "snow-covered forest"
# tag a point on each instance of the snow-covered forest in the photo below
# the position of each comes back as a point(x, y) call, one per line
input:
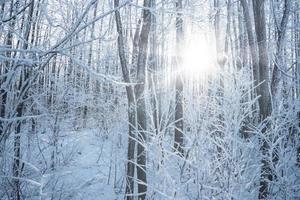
point(149, 99)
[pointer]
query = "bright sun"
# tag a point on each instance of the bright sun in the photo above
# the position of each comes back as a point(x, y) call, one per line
point(199, 59)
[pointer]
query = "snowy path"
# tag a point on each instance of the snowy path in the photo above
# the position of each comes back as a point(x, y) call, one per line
point(88, 172)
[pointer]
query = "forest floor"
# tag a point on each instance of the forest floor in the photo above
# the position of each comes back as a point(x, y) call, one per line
point(90, 171)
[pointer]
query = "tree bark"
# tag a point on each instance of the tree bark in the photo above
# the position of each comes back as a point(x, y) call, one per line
point(6, 66)
point(129, 191)
point(279, 57)
point(251, 40)
point(140, 99)
point(264, 101)
point(23, 83)
point(297, 70)
point(178, 137)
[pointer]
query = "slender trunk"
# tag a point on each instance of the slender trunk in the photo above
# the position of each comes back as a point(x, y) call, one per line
point(251, 40)
point(131, 108)
point(297, 70)
point(279, 57)
point(6, 67)
point(178, 137)
point(17, 156)
point(140, 100)
point(23, 83)
point(264, 101)
point(152, 73)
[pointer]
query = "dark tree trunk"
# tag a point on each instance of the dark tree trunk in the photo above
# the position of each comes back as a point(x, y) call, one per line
point(178, 137)
point(140, 99)
point(297, 70)
point(251, 40)
point(23, 88)
point(131, 108)
point(279, 57)
point(264, 101)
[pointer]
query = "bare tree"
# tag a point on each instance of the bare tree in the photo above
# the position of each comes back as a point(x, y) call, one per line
point(140, 124)
point(279, 57)
point(251, 40)
point(131, 108)
point(23, 83)
point(178, 137)
point(265, 107)
point(140, 99)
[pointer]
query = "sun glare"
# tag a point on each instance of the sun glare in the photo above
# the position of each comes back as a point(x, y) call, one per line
point(199, 59)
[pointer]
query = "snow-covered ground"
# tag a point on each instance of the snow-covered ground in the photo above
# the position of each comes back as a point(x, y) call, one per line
point(92, 171)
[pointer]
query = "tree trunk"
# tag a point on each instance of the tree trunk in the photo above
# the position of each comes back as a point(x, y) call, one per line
point(6, 66)
point(22, 87)
point(178, 137)
point(251, 40)
point(297, 71)
point(264, 101)
point(152, 73)
point(140, 99)
point(131, 108)
point(279, 57)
